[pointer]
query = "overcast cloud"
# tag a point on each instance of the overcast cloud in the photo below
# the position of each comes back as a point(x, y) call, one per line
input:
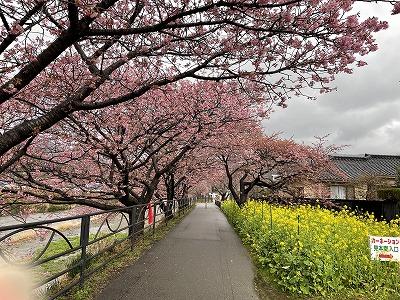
point(364, 112)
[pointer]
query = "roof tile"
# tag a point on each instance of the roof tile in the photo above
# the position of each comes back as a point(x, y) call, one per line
point(369, 164)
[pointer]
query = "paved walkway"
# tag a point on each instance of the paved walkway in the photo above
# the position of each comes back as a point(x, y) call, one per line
point(202, 258)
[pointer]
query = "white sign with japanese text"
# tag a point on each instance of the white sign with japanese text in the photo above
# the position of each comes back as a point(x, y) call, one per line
point(385, 248)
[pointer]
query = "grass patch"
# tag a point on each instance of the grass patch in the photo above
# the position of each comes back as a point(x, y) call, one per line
point(97, 281)
point(57, 265)
point(60, 246)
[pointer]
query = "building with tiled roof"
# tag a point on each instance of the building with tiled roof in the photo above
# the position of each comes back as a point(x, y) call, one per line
point(355, 166)
point(358, 176)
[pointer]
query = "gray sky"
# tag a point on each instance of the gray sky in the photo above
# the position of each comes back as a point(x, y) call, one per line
point(364, 112)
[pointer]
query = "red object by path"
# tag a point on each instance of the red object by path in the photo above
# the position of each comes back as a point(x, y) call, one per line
point(150, 213)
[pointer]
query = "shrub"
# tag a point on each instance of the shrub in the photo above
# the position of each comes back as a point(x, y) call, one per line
point(313, 251)
point(389, 194)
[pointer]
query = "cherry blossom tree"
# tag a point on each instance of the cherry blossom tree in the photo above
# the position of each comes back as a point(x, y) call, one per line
point(195, 175)
point(271, 163)
point(59, 58)
point(220, 184)
point(118, 156)
point(179, 181)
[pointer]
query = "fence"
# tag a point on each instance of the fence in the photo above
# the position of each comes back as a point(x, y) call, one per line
point(383, 210)
point(75, 243)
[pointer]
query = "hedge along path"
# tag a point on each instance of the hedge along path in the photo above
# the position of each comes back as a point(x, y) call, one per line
point(314, 251)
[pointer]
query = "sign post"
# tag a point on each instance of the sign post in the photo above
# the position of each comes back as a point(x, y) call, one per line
point(385, 248)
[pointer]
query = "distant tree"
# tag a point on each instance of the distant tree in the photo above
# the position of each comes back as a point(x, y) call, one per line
point(271, 163)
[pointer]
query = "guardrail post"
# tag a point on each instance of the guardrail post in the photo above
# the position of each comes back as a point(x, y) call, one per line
point(84, 239)
point(132, 223)
point(168, 213)
point(154, 216)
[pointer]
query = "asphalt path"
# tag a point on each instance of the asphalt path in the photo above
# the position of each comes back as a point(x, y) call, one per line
point(201, 258)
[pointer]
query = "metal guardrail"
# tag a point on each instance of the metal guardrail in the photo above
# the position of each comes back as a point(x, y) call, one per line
point(113, 226)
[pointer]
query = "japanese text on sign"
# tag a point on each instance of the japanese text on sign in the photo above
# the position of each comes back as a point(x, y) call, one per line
point(385, 248)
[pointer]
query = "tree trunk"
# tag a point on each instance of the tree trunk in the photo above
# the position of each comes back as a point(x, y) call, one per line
point(242, 199)
point(181, 204)
point(169, 212)
point(137, 220)
point(224, 196)
point(167, 208)
point(170, 188)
